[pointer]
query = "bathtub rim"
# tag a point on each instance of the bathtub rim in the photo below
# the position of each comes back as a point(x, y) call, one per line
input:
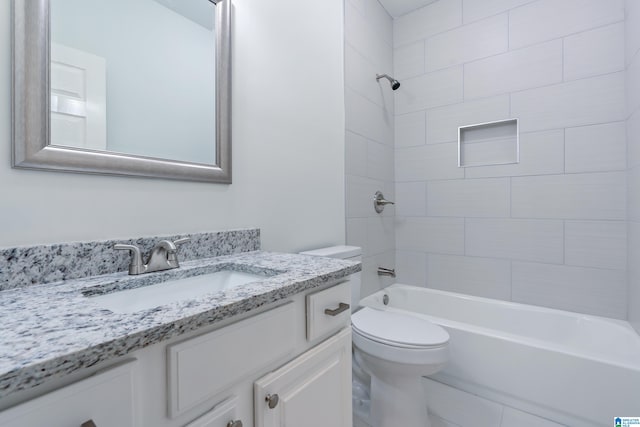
point(524, 340)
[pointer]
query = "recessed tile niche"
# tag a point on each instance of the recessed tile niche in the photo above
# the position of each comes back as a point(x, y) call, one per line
point(486, 144)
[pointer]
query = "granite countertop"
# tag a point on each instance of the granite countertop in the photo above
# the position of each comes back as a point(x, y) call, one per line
point(53, 329)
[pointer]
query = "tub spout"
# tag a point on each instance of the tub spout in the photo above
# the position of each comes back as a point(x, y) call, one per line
point(386, 271)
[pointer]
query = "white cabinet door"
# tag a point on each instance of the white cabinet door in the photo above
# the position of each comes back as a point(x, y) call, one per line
point(106, 399)
point(313, 390)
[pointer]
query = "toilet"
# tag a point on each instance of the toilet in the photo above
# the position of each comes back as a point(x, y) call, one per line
point(391, 353)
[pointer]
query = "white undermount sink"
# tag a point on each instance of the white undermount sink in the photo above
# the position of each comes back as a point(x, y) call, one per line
point(151, 296)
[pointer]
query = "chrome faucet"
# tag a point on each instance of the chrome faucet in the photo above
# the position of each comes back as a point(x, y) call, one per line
point(163, 256)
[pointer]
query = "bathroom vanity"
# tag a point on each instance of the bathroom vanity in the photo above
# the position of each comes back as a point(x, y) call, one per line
point(276, 351)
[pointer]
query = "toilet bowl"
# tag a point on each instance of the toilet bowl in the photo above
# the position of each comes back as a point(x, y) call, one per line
point(397, 350)
point(392, 352)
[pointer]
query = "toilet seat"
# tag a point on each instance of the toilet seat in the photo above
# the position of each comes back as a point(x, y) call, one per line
point(400, 338)
point(398, 329)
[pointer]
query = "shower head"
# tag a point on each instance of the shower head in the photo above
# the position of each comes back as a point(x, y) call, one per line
point(394, 83)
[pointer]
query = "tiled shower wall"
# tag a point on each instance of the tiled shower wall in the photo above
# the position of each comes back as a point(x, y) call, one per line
point(550, 230)
point(369, 137)
point(633, 155)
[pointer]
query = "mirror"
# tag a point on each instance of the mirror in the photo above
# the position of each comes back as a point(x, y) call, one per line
point(123, 87)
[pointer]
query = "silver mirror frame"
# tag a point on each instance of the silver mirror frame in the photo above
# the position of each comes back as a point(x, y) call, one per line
point(31, 101)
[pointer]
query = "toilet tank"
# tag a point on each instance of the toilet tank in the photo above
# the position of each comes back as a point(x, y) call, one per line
point(352, 253)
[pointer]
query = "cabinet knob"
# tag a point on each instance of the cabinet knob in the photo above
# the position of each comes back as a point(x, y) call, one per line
point(236, 423)
point(90, 423)
point(272, 400)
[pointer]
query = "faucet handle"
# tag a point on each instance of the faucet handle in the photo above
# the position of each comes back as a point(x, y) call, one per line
point(181, 241)
point(136, 266)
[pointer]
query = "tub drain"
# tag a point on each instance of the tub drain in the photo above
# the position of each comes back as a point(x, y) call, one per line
point(385, 299)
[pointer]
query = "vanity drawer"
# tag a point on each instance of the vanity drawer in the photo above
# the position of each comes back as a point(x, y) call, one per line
point(107, 399)
point(203, 367)
point(222, 415)
point(328, 310)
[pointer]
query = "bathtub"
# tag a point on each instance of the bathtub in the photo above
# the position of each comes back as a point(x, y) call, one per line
point(574, 369)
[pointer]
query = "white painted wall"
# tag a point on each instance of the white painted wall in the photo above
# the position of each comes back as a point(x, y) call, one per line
point(632, 55)
point(551, 230)
point(288, 148)
point(369, 137)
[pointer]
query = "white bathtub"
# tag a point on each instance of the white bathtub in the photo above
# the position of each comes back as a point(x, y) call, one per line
point(574, 369)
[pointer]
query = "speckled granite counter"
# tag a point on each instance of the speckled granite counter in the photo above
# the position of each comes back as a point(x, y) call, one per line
point(51, 330)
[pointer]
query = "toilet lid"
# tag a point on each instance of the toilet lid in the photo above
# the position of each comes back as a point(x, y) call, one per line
point(397, 328)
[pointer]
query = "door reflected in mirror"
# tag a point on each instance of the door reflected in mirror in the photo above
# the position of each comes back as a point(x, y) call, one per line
point(135, 77)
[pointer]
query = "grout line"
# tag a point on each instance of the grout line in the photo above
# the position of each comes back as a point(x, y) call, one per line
point(504, 218)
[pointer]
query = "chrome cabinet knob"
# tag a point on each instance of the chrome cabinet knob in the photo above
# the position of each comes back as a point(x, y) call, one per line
point(272, 400)
point(236, 423)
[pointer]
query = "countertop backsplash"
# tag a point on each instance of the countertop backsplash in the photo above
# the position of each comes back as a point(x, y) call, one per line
point(32, 265)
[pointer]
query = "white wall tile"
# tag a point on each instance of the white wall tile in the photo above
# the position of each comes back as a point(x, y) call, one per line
point(411, 199)
point(634, 274)
point(371, 281)
point(541, 153)
point(368, 119)
point(430, 90)
point(549, 19)
point(357, 233)
point(380, 161)
point(366, 38)
point(410, 129)
point(576, 103)
point(579, 196)
point(360, 76)
point(439, 235)
point(601, 244)
point(529, 240)
point(633, 140)
point(436, 421)
point(358, 5)
point(535, 66)
point(595, 52)
point(427, 21)
point(378, 17)
point(632, 28)
point(443, 122)
point(380, 235)
point(512, 417)
point(596, 148)
point(633, 85)
point(408, 60)
point(355, 154)
point(469, 198)
point(411, 268)
point(584, 290)
point(359, 196)
point(478, 40)
point(478, 9)
point(633, 189)
point(485, 277)
point(437, 161)
point(459, 407)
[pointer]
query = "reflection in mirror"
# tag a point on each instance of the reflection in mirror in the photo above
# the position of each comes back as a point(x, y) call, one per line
point(123, 87)
point(134, 77)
